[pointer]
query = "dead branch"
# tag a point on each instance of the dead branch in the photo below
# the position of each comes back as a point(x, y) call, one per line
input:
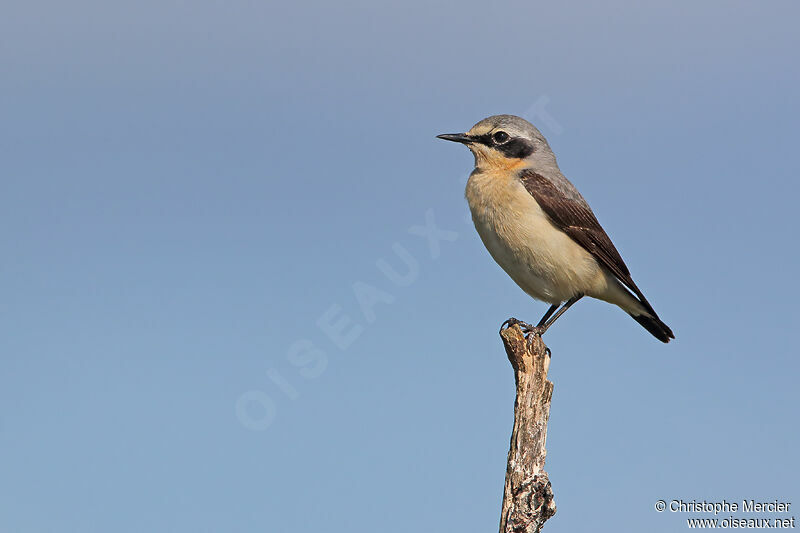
point(528, 497)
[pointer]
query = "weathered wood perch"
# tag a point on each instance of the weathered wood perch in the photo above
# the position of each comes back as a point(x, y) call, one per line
point(528, 497)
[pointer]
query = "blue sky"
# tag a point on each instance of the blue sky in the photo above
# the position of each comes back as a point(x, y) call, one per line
point(190, 189)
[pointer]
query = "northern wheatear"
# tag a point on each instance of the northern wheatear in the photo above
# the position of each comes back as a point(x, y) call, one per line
point(538, 227)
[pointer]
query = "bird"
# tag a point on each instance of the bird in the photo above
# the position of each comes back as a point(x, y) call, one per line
point(540, 230)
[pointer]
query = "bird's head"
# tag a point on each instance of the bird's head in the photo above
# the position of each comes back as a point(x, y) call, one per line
point(505, 141)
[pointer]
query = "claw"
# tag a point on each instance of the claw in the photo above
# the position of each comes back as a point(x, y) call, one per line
point(531, 332)
point(514, 322)
point(536, 332)
point(526, 328)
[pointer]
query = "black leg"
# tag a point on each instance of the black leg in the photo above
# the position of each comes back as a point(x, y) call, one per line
point(546, 320)
point(542, 328)
point(547, 315)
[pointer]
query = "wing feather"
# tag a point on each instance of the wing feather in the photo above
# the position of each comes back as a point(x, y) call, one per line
point(576, 219)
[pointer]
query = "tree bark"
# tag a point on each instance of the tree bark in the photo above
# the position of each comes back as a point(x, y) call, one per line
point(528, 497)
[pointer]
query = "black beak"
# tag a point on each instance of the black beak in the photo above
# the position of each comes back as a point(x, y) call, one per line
point(456, 137)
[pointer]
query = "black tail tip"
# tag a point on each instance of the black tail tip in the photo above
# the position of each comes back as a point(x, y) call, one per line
point(656, 327)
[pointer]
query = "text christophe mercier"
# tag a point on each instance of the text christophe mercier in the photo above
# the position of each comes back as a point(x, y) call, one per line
point(747, 506)
point(724, 506)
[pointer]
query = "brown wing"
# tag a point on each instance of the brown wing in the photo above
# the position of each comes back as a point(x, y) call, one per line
point(576, 219)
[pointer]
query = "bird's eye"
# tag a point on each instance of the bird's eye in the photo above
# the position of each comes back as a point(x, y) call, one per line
point(499, 137)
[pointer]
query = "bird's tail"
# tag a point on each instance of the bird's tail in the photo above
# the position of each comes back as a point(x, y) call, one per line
point(655, 326)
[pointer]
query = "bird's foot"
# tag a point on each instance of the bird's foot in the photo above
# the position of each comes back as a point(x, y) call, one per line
point(514, 322)
point(526, 328)
point(531, 333)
